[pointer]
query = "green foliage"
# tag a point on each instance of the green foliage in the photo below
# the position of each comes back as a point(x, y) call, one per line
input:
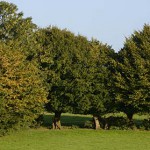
point(114, 122)
point(13, 26)
point(63, 59)
point(12, 23)
point(88, 124)
point(81, 73)
point(91, 77)
point(22, 95)
point(132, 77)
point(146, 124)
point(55, 58)
point(99, 90)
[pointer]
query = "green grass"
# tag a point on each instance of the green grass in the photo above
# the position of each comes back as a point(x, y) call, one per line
point(75, 139)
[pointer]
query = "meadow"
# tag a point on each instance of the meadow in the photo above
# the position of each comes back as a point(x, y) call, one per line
point(74, 138)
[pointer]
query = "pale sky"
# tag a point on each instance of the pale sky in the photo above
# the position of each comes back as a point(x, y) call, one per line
point(109, 21)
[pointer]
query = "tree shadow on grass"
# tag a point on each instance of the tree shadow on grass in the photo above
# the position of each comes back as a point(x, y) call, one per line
point(67, 120)
point(83, 121)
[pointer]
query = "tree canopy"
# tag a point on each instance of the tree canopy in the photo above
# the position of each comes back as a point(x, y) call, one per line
point(133, 74)
point(22, 95)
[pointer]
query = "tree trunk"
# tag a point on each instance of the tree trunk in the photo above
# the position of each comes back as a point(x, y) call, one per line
point(130, 121)
point(130, 117)
point(56, 121)
point(96, 122)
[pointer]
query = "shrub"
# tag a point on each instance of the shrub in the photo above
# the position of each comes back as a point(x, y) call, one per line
point(88, 124)
point(113, 123)
point(146, 124)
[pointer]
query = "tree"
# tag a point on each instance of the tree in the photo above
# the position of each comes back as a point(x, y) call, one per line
point(22, 96)
point(56, 60)
point(14, 27)
point(132, 77)
point(100, 88)
point(92, 80)
point(21, 85)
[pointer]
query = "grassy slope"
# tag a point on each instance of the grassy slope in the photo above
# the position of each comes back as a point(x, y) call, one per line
point(77, 139)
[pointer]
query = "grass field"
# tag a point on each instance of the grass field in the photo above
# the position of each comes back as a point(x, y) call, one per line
point(75, 139)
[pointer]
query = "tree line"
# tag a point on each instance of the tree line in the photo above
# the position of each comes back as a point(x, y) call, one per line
point(55, 70)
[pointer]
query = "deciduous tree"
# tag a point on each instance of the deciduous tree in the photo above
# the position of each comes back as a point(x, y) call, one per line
point(132, 79)
point(56, 60)
point(22, 96)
